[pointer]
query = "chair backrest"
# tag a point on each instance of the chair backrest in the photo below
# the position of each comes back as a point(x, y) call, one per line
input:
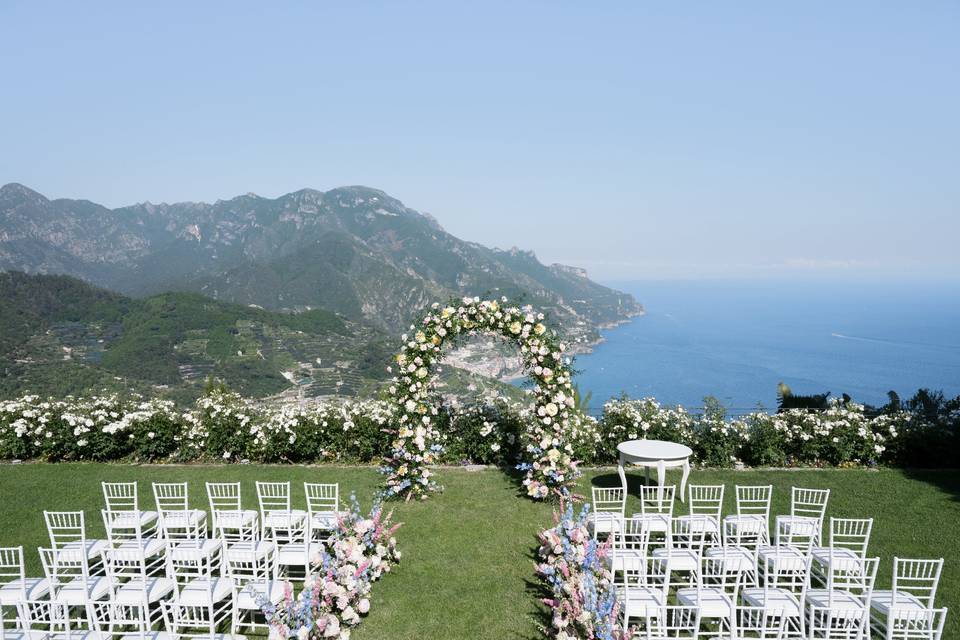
point(179, 619)
point(11, 567)
point(171, 496)
point(670, 622)
point(129, 564)
point(837, 622)
point(250, 561)
point(131, 529)
point(181, 525)
point(231, 527)
point(65, 528)
point(45, 617)
point(706, 500)
point(754, 500)
point(115, 619)
point(917, 624)
point(184, 566)
point(295, 530)
point(61, 567)
point(223, 496)
point(608, 500)
point(800, 534)
point(852, 534)
point(629, 542)
point(688, 533)
point(809, 503)
point(322, 498)
point(784, 571)
point(762, 623)
point(273, 496)
point(656, 500)
point(717, 573)
point(919, 578)
point(855, 578)
point(120, 496)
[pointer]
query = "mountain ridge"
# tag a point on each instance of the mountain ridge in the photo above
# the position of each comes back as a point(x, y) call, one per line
point(353, 250)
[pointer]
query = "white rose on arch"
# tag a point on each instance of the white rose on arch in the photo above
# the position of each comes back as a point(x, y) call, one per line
point(537, 345)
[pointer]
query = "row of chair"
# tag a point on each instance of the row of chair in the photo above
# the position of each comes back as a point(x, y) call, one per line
point(162, 566)
point(737, 579)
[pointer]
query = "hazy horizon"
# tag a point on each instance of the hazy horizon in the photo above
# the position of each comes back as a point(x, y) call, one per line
point(636, 141)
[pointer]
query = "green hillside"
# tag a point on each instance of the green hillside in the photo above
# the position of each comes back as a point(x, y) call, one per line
point(60, 335)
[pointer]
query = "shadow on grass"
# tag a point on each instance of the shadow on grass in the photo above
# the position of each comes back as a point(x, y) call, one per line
point(947, 480)
point(612, 481)
point(536, 590)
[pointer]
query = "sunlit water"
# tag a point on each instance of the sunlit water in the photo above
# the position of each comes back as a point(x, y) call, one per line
point(737, 340)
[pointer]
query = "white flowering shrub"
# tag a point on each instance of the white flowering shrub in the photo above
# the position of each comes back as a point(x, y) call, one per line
point(644, 419)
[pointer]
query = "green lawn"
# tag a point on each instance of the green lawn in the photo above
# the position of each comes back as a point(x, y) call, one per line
point(468, 553)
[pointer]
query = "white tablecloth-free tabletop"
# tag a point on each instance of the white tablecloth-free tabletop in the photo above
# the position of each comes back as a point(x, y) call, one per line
point(655, 453)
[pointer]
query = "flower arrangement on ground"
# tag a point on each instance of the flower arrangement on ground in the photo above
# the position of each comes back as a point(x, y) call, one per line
point(336, 594)
point(582, 596)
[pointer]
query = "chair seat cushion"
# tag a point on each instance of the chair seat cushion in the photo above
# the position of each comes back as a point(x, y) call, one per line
point(733, 557)
point(184, 519)
point(638, 601)
point(782, 557)
point(678, 559)
point(655, 522)
point(283, 519)
point(713, 603)
point(296, 553)
point(627, 559)
point(235, 519)
point(248, 595)
point(35, 588)
point(841, 558)
point(77, 592)
point(71, 551)
point(324, 520)
point(250, 550)
point(195, 550)
point(203, 591)
point(153, 590)
point(148, 547)
point(906, 602)
point(772, 600)
point(842, 604)
point(701, 524)
point(746, 524)
point(131, 519)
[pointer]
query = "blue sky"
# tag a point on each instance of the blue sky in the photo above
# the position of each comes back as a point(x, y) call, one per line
point(638, 140)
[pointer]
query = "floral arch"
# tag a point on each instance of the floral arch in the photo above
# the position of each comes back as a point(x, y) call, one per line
point(549, 465)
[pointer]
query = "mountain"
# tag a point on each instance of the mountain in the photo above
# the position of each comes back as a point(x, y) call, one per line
point(61, 335)
point(354, 251)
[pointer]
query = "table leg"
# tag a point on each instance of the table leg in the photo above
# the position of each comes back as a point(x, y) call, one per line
point(661, 479)
point(683, 480)
point(646, 474)
point(623, 476)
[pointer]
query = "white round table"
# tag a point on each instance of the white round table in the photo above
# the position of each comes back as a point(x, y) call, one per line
point(655, 453)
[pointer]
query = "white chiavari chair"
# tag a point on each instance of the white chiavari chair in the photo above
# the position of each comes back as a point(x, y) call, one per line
point(15, 586)
point(848, 543)
point(706, 501)
point(629, 546)
point(228, 514)
point(716, 595)
point(784, 590)
point(183, 620)
point(252, 574)
point(807, 507)
point(138, 580)
point(68, 536)
point(125, 519)
point(72, 585)
point(914, 589)
point(683, 550)
point(323, 506)
point(656, 507)
point(671, 623)
point(607, 510)
point(843, 606)
point(750, 526)
point(173, 508)
point(759, 623)
point(276, 511)
point(643, 591)
point(919, 624)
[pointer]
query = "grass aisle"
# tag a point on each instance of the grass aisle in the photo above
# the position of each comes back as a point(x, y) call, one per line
point(467, 564)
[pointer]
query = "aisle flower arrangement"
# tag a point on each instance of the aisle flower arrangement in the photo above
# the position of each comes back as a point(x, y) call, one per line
point(336, 595)
point(582, 596)
point(549, 464)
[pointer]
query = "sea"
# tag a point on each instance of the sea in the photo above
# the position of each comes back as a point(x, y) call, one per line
point(736, 340)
